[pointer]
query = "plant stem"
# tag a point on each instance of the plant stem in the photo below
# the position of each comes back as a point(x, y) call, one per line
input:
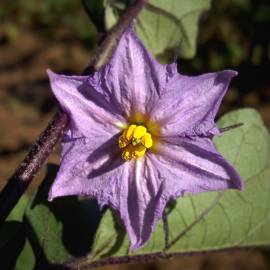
point(40, 151)
point(141, 258)
point(29, 167)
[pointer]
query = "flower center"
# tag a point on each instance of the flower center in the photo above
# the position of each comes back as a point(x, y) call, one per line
point(134, 141)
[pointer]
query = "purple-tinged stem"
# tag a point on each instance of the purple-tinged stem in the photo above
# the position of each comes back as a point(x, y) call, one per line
point(165, 230)
point(83, 264)
point(40, 151)
point(29, 167)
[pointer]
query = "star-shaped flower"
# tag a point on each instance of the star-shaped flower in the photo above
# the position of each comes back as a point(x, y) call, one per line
point(140, 135)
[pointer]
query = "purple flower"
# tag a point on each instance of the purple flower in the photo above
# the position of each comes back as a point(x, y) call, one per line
point(140, 135)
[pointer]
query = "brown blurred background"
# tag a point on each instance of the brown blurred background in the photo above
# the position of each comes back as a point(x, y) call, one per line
point(36, 35)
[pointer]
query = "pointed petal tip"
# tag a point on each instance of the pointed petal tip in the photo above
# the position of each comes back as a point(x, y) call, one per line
point(231, 73)
point(50, 197)
point(236, 181)
point(50, 73)
point(235, 73)
point(132, 32)
point(136, 242)
point(54, 192)
point(132, 24)
point(239, 184)
point(134, 247)
point(130, 28)
point(172, 68)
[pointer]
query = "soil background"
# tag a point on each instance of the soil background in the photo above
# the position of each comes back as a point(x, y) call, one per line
point(33, 40)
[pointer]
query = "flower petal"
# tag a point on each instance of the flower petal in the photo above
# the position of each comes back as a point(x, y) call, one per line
point(193, 166)
point(133, 80)
point(189, 106)
point(131, 188)
point(86, 168)
point(141, 202)
point(82, 104)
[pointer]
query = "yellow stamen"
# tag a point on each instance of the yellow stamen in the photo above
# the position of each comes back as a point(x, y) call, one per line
point(133, 152)
point(122, 141)
point(139, 151)
point(134, 141)
point(139, 131)
point(146, 140)
point(129, 131)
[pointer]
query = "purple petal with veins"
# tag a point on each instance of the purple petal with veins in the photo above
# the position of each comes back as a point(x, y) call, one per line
point(177, 110)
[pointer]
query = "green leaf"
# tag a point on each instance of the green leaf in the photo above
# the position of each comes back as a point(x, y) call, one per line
point(26, 259)
point(62, 229)
point(113, 10)
point(211, 220)
point(17, 212)
point(165, 26)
